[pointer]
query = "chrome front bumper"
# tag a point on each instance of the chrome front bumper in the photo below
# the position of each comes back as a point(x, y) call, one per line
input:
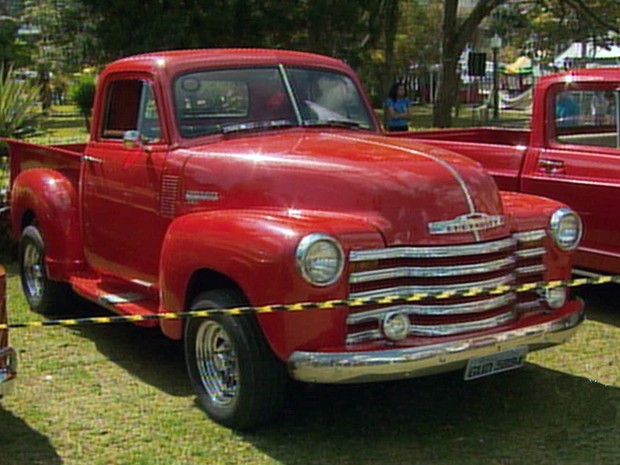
point(411, 362)
point(8, 373)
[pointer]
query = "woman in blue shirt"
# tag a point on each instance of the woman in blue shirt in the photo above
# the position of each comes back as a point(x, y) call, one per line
point(397, 108)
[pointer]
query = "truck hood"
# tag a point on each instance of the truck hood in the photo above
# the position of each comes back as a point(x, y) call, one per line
point(411, 192)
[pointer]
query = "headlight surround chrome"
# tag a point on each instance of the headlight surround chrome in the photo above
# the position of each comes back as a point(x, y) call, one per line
point(320, 259)
point(566, 228)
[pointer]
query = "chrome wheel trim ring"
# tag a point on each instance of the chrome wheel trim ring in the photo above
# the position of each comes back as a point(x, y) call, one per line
point(216, 361)
point(34, 274)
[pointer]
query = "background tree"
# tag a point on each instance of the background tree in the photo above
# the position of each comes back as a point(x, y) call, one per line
point(62, 39)
point(458, 32)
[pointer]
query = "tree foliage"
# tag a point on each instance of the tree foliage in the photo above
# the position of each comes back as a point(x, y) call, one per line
point(62, 32)
point(18, 104)
point(381, 39)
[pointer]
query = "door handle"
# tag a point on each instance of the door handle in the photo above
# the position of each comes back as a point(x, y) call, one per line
point(551, 166)
point(91, 159)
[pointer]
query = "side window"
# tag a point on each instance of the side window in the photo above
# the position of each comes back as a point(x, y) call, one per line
point(586, 117)
point(130, 106)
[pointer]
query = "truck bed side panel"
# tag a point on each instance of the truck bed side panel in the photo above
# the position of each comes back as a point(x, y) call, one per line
point(500, 151)
point(64, 158)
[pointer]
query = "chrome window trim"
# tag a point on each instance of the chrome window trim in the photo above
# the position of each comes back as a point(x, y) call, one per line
point(432, 252)
point(431, 271)
point(435, 310)
point(408, 290)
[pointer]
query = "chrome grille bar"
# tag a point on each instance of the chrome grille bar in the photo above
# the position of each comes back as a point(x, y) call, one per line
point(434, 310)
point(432, 252)
point(431, 271)
point(408, 290)
point(438, 330)
point(530, 236)
point(533, 269)
point(457, 328)
point(530, 253)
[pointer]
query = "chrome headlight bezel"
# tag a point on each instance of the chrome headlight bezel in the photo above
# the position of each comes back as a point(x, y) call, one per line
point(560, 228)
point(320, 259)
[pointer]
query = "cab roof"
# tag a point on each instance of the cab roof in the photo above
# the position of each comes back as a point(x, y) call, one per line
point(180, 60)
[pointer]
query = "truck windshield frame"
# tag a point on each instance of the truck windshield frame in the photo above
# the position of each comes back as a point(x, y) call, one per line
point(208, 101)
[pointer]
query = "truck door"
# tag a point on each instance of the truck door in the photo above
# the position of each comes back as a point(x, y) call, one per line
point(580, 165)
point(122, 177)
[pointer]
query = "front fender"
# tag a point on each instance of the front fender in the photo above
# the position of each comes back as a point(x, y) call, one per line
point(256, 250)
point(53, 201)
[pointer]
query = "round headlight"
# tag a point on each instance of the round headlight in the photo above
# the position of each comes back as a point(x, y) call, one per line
point(566, 228)
point(320, 259)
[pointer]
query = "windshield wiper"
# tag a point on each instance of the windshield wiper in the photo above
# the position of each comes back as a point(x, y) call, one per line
point(257, 125)
point(334, 123)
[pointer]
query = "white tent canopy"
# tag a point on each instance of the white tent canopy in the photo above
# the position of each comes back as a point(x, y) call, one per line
point(588, 51)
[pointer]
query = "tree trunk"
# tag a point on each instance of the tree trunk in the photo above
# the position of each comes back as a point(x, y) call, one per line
point(448, 79)
point(447, 92)
point(390, 27)
point(454, 39)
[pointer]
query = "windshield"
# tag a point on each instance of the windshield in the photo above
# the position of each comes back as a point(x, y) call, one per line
point(224, 101)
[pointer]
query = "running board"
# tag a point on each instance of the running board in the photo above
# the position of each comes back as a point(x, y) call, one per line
point(116, 298)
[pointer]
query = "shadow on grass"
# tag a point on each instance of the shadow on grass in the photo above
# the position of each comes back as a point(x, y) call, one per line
point(22, 445)
point(530, 416)
point(143, 352)
point(602, 303)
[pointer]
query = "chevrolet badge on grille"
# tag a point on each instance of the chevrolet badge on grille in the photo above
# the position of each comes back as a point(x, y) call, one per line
point(466, 223)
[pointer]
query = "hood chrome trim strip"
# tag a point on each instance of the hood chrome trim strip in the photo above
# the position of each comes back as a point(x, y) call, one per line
point(453, 171)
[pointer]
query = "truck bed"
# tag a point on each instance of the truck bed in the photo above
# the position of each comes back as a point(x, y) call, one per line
point(499, 150)
point(62, 157)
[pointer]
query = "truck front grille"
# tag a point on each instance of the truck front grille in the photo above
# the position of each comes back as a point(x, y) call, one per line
point(403, 271)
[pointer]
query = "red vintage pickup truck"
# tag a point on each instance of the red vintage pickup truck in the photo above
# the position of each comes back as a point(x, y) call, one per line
point(225, 178)
point(571, 153)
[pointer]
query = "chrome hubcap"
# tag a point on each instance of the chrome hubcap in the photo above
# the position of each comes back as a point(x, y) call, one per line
point(34, 274)
point(217, 363)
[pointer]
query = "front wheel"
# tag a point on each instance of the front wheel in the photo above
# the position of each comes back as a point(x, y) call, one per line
point(238, 380)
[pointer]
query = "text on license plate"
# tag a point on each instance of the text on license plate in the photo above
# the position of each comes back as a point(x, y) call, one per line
point(495, 363)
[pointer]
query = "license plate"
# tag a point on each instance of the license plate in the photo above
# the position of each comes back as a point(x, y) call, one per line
point(495, 363)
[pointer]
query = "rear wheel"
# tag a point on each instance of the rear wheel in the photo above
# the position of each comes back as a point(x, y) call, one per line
point(238, 380)
point(44, 295)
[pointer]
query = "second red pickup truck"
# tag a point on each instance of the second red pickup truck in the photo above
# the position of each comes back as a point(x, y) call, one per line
point(226, 178)
point(571, 153)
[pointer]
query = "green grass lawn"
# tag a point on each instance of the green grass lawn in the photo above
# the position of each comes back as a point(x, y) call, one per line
point(119, 394)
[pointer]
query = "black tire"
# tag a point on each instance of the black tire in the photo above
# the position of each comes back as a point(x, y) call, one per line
point(238, 380)
point(44, 295)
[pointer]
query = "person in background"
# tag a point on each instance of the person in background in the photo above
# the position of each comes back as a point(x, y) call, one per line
point(397, 108)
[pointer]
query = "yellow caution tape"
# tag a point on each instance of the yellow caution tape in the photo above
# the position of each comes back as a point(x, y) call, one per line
point(330, 304)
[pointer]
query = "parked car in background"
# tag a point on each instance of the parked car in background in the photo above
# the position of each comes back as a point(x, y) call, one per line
point(571, 153)
point(8, 357)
